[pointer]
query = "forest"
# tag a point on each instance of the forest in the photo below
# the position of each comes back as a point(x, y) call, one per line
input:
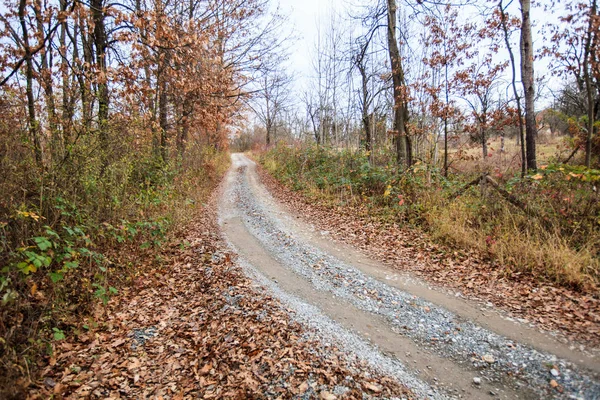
point(464, 134)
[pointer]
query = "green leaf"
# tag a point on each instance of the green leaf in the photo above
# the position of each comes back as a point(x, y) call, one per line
point(56, 276)
point(71, 264)
point(113, 290)
point(43, 243)
point(58, 334)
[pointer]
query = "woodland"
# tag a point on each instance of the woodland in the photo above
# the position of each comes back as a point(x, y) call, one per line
point(474, 123)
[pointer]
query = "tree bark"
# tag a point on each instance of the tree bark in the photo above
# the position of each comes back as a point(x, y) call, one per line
point(365, 107)
point(67, 98)
point(521, 137)
point(46, 83)
point(588, 85)
point(447, 96)
point(402, 152)
point(101, 45)
point(33, 123)
point(527, 77)
point(163, 118)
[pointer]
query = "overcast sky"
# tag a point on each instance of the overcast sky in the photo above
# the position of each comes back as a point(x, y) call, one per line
point(304, 16)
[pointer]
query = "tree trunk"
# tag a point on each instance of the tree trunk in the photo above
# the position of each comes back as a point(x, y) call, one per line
point(588, 86)
point(185, 126)
point(484, 148)
point(399, 86)
point(33, 123)
point(365, 107)
point(67, 98)
point(527, 77)
point(101, 45)
point(447, 95)
point(47, 85)
point(521, 136)
point(163, 117)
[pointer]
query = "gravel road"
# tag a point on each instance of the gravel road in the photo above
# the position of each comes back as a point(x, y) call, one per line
point(432, 350)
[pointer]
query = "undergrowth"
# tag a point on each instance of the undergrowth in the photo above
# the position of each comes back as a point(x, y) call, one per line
point(555, 238)
point(73, 234)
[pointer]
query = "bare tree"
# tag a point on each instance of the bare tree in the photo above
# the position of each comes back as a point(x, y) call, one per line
point(272, 99)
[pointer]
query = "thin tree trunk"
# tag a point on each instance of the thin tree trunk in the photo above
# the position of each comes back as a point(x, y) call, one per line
point(46, 82)
point(399, 85)
point(445, 123)
point(588, 87)
point(527, 77)
point(33, 123)
point(101, 45)
point(365, 107)
point(521, 137)
point(163, 117)
point(67, 98)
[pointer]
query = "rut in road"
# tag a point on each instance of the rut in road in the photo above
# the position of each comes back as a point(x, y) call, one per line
point(432, 350)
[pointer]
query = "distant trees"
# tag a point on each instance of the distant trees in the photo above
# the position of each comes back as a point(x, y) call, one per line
point(437, 71)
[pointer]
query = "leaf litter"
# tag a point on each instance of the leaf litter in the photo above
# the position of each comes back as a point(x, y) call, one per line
point(573, 315)
point(197, 327)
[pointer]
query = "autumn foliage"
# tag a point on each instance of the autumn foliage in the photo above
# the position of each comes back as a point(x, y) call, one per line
point(114, 122)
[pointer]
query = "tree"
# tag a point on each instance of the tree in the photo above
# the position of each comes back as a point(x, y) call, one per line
point(575, 56)
point(450, 45)
point(505, 27)
point(403, 150)
point(527, 78)
point(272, 99)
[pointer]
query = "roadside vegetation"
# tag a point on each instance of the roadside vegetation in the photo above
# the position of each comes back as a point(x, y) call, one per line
point(555, 237)
point(114, 130)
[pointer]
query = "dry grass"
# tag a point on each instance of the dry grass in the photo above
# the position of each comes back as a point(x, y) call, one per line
point(468, 157)
point(518, 242)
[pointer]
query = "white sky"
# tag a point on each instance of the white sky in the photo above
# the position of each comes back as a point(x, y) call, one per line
point(304, 16)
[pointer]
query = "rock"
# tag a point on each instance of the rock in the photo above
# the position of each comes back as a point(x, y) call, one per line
point(477, 380)
point(554, 372)
point(325, 395)
point(553, 383)
point(488, 358)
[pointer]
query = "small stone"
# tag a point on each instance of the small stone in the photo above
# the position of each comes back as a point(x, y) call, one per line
point(488, 358)
point(554, 372)
point(477, 380)
point(553, 383)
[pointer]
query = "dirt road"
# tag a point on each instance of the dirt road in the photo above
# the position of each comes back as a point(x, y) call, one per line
point(438, 345)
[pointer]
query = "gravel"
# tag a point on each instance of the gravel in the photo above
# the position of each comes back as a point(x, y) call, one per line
point(427, 324)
